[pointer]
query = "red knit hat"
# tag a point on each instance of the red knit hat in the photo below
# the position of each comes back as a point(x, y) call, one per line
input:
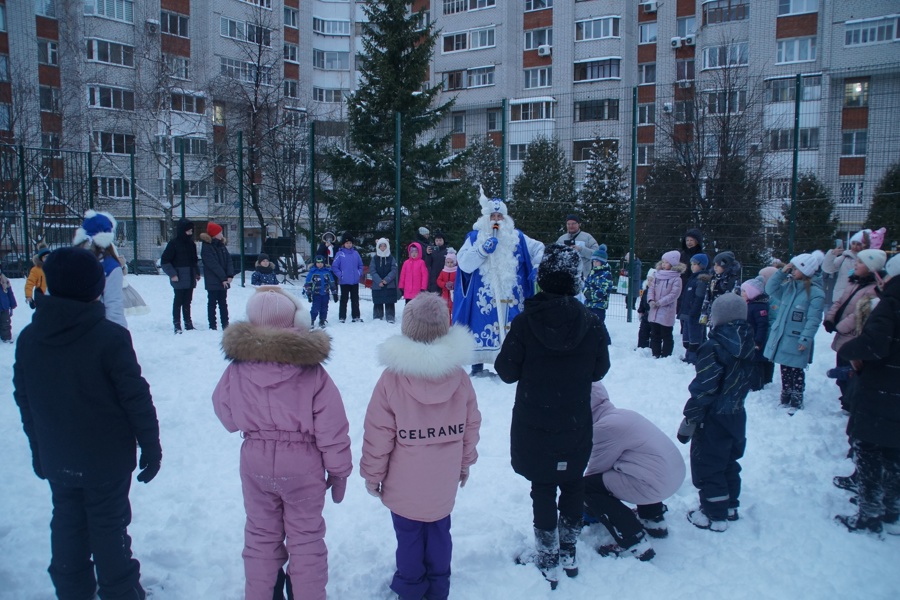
point(212, 229)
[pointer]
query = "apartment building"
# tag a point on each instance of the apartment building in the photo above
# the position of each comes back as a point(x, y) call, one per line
point(173, 77)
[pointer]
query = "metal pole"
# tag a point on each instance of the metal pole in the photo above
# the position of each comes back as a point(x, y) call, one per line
point(397, 184)
point(183, 191)
point(241, 200)
point(631, 252)
point(90, 170)
point(312, 188)
point(503, 150)
point(24, 186)
point(798, 89)
point(134, 234)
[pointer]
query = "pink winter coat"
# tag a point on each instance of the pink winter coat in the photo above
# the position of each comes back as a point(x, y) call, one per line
point(665, 291)
point(422, 424)
point(845, 329)
point(639, 463)
point(413, 274)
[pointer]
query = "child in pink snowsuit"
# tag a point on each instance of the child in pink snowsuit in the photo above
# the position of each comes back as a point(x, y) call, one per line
point(421, 430)
point(290, 413)
point(413, 273)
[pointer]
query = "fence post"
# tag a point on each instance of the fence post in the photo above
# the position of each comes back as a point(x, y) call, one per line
point(134, 231)
point(798, 89)
point(181, 156)
point(24, 186)
point(312, 190)
point(241, 200)
point(631, 252)
point(503, 151)
point(90, 170)
point(397, 183)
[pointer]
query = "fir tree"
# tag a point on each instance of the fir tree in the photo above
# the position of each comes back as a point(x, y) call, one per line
point(665, 210)
point(815, 224)
point(395, 61)
point(885, 209)
point(544, 192)
point(483, 166)
point(603, 202)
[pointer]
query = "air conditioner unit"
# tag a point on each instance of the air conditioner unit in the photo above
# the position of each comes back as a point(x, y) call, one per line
point(650, 7)
point(152, 26)
point(667, 107)
point(690, 40)
point(676, 42)
point(685, 84)
point(545, 50)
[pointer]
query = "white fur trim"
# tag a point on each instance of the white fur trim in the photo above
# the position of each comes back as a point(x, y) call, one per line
point(378, 251)
point(499, 269)
point(103, 239)
point(491, 205)
point(407, 357)
point(301, 314)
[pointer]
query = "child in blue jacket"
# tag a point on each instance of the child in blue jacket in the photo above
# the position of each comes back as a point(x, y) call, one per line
point(692, 296)
point(598, 284)
point(319, 284)
point(754, 293)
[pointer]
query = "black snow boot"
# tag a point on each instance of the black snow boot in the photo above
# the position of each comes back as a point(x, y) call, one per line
point(282, 584)
point(860, 523)
point(188, 325)
point(177, 327)
point(546, 543)
point(568, 536)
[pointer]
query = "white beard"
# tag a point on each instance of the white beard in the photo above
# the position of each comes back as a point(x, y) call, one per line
point(499, 270)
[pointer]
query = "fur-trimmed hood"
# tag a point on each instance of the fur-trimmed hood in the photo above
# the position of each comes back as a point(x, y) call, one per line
point(432, 361)
point(245, 342)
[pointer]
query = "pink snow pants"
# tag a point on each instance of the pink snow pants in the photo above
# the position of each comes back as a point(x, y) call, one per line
point(283, 480)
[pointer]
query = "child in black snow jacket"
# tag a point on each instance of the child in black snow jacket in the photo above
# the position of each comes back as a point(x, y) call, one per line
point(753, 291)
point(692, 332)
point(726, 278)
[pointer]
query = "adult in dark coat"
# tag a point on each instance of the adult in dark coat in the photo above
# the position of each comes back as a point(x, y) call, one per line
point(383, 270)
point(84, 422)
point(555, 349)
point(435, 256)
point(218, 271)
point(326, 248)
point(179, 262)
point(874, 426)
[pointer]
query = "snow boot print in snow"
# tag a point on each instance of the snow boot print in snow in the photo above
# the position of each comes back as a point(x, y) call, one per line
point(568, 537)
point(546, 545)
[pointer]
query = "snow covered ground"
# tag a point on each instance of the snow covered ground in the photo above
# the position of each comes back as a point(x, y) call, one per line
point(188, 523)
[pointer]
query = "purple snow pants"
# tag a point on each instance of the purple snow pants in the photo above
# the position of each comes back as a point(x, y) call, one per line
point(423, 559)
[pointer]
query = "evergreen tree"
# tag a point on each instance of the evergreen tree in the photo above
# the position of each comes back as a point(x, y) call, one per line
point(885, 209)
point(483, 166)
point(664, 211)
point(544, 192)
point(603, 202)
point(392, 66)
point(815, 224)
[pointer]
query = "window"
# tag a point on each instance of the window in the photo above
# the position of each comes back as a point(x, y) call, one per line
point(796, 50)
point(113, 143)
point(531, 111)
point(458, 122)
point(717, 57)
point(296, 118)
point(480, 77)
point(469, 40)
point(724, 11)
point(48, 52)
point(454, 80)
point(331, 27)
point(518, 151)
point(290, 53)
point(174, 24)
point(261, 3)
point(112, 187)
point(192, 146)
point(538, 4)
point(872, 31)
point(482, 38)
point(794, 7)
point(50, 145)
point(684, 111)
point(451, 7)
point(597, 110)
point(120, 10)
point(684, 69)
point(45, 8)
point(646, 73)
point(220, 194)
point(196, 189)
point(291, 17)
point(243, 71)
point(49, 98)
point(593, 70)
point(110, 53)
point(853, 143)
point(779, 188)
point(731, 102)
point(179, 67)
point(476, 4)
point(109, 97)
point(423, 19)
point(782, 90)
point(646, 114)
point(455, 42)
point(596, 29)
point(538, 37)
point(261, 36)
point(291, 88)
point(783, 139)
point(645, 154)
point(188, 103)
point(584, 150)
point(538, 78)
point(856, 93)
point(5, 117)
point(686, 26)
point(2, 17)
point(493, 120)
point(232, 29)
point(4, 67)
point(647, 33)
point(851, 192)
point(329, 60)
point(218, 117)
point(329, 96)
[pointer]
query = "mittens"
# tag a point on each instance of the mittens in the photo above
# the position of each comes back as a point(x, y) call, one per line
point(338, 487)
point(374, 488)
point(686, 431)
point(489, 245)
point(463, 476)
point(334, 297)
point(149, 465)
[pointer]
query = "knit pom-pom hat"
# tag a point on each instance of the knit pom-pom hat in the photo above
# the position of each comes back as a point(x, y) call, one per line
point(425, 318)
point(98, 227)
point(892, 267)
point(673, 257)
point(873, 259)
point(753, 287)
point(213, 229)
point(271, 306)
point(600, 254)
point(808, 264)
point(876, 239)
point(560, 271)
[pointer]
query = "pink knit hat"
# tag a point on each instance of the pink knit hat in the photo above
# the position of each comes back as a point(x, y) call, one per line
point(753, 287)
point(425, 318)
point(673, 257)
point(271, 306)
point(876, 238)
point(767, 272)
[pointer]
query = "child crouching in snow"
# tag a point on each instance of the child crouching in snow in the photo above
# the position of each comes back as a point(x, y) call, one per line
point(291, 416)
point(421, 430)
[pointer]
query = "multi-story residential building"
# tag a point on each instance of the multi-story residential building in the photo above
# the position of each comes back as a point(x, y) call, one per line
point(172, 77)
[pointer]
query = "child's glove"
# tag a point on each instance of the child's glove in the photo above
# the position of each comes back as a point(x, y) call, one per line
point(463, 476)
point(829, 326)
point(489, 245)
point(334, 297)
point(338, 487)
point(374, 488)
point(30, 303)
point(149, 465)
point(686, 431)
point(654, 304)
